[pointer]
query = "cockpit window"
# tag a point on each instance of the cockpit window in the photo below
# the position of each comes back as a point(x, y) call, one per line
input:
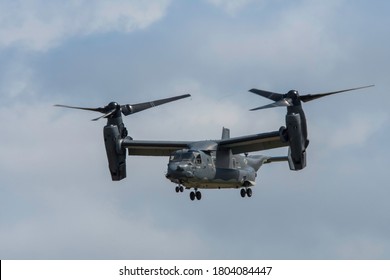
point(198, 159)
point(175, 157)
point(182, 156)
point(187, 156)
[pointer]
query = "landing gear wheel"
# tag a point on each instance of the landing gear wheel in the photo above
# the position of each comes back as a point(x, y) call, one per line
point(198, 195)
point(181, 189)
point(249, 192)
point(243, 192)
point(177, 189)
point(192, 196)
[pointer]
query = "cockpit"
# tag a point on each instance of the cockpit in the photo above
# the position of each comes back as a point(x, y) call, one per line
point(186, 156)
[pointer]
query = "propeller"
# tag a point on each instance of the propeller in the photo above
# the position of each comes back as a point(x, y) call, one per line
point(292, 97)
point(113, 108)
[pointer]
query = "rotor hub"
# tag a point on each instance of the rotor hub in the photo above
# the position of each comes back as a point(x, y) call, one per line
point(293, 94)
point(113, 105)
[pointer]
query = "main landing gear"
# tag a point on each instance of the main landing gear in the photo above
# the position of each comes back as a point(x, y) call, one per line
point(246, 192)
point(195, 194)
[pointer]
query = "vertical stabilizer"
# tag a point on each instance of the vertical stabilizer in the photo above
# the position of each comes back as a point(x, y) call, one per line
point(224, 156)
point(225, 133)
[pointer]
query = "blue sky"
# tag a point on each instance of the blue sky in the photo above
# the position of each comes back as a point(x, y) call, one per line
point(56, 197)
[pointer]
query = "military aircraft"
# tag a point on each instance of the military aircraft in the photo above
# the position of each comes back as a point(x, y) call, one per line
point(210, 164)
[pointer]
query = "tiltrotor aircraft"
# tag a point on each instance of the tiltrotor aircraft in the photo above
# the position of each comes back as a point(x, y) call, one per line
point(210, 164)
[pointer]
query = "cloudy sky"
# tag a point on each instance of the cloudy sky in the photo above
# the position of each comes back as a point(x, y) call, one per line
point(57, 200)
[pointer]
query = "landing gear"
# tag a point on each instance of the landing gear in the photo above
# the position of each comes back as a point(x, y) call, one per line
point(246, 192)
point(196, 194)
point(193, 195)
point(249, 192)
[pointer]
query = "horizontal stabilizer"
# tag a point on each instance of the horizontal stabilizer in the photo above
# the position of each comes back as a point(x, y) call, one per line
point(275, 159)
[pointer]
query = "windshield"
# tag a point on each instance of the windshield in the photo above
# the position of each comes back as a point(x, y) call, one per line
point(187, 156)
point(182, 156)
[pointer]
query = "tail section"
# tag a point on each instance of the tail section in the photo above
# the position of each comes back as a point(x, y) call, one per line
point(225, 133)
point(256, 161)
point(224, 156)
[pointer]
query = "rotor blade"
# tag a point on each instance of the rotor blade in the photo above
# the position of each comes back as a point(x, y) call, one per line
point(105, 115)
point(135, 108)
point(100, 110)
point(285, 102)
point(310, 97)
point(267, 94)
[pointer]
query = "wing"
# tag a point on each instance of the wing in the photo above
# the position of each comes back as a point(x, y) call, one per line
point(238, 145)
point(153, 148)
point(251, 143)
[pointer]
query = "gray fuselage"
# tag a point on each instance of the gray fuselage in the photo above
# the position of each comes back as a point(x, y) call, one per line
point(198, 169)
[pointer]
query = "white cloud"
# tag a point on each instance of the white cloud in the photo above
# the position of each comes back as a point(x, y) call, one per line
point(353, 130)
point(361, 245)
point(232, 7)
point(40, 25)
point(16, 80)
point(79, 224)
point(294, 42)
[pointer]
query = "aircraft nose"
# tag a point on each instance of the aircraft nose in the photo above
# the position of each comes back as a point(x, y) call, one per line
point(178, 170)
point(172, 167)
point(172, 170)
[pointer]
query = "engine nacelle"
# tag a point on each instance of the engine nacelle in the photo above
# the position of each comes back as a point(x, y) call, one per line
point(283, 134)
point(115, 154)
point(296, 164)
point(296, 153)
